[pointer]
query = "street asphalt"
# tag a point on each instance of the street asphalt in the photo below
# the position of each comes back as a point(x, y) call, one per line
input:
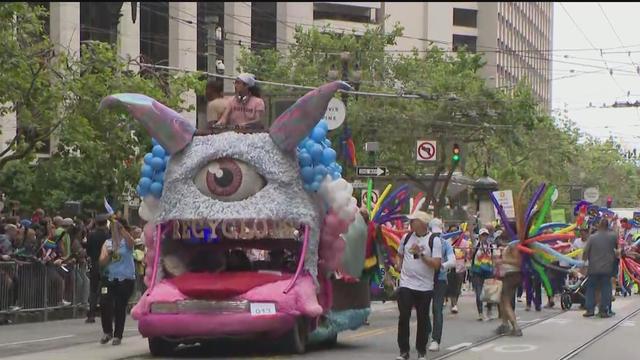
point(549, 334)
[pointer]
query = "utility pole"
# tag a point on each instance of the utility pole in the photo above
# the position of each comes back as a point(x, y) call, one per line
point(212, 56)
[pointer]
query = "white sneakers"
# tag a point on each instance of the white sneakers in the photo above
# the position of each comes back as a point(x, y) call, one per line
point(434, 346)
point(454, 309)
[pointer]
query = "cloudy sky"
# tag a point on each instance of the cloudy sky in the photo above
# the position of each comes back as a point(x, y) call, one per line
point(587, 48)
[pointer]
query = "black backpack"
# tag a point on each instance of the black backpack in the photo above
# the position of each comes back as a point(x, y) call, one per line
point(433, 235)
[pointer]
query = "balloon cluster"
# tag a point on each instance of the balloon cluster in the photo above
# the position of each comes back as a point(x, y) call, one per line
point(317, 158)
point(152, 171)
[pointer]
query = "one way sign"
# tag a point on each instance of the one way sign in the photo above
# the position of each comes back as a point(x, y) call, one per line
point(372, 171)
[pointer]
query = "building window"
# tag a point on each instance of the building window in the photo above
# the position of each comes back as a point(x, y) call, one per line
point(263, 25)
point(465, 17)
point(154, 32)
point(344, 12)
point(99, 21)
point(469, 42)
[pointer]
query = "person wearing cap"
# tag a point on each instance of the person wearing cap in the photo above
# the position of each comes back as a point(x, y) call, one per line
point(420, 255)
point(483, 249)
point(440, 287)
point(95, 240)
point(246, 108)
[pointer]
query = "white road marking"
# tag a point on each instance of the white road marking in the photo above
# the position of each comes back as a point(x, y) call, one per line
point(459, 346)
point(36, 340)
point(481, 348)
point(514, 348)
point(559, 321)
point(628, 323)
point(528, 321)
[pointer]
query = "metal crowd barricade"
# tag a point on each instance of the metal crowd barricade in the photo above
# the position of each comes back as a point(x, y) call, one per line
point(36, 287)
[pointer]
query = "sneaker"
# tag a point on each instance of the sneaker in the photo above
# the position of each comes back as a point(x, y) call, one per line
point(605, 315)
point(588, 314)
point(422, 356)
point(404, 356)
point(527, 308)
point(519, 299)
point(486, 318)
point(105, 339)
point(516, 332)
point(503, 329)
point(64, 303)
point(454, 309)
point(480, 317)
point(15, 308)
point(434, 346)
point(116, 341)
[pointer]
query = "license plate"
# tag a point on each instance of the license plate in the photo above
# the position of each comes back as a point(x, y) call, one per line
point(261, 309)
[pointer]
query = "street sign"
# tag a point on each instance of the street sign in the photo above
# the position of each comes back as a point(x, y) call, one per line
point(375, 194)
point(505, 199)
point(372, 171)
point(336, 112)
point(591, 194)
point(426, 150)
point(357, 184)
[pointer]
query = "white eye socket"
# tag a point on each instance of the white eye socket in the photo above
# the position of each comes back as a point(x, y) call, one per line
point(229, 180)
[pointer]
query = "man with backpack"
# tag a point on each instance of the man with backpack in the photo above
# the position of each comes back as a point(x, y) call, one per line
point(440, 287)
point(420, 256)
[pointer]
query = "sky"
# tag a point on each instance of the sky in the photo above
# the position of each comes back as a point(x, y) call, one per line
point(581, 72)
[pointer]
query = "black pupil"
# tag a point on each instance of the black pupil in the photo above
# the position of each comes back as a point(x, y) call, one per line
point(225, 180)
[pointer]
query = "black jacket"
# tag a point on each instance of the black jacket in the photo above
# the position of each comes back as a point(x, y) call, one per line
point(95, 240)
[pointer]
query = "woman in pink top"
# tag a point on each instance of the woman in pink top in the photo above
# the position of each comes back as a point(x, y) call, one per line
point(246, 108)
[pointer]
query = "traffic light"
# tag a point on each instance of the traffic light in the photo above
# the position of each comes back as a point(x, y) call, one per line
point(609, 202)
point(456, 153)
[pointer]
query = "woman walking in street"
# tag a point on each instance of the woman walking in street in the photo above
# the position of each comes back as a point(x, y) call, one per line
point(482, 269)
point(116, 258)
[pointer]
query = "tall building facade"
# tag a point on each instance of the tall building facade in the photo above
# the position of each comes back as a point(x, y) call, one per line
point(513, 36)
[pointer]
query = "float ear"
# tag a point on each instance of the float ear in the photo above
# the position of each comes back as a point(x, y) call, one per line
point(299, 119)
point(164, 124)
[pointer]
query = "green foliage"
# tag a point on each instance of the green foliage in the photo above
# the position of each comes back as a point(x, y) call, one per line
point(504, 130)
point(97, 153)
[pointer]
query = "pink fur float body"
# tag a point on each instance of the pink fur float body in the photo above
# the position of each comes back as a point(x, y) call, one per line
point(300, 300)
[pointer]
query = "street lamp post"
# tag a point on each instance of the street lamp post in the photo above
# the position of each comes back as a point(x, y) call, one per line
point(352, 79)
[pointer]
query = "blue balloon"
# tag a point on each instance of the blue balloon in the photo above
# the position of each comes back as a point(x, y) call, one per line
point(157, 163)
point(327, 142)
point(320, 170)
point(305, 159)
point(144, 184)
point(147, 158)
point(158, 176)
point(318, 134)
point(156, 189)
point(315, 186)
point(318, 178)
point(166, 159)
point(306, 187)
point(316, 153)
point(154, 142)
point(140, 192)
point(309, 145)
point(146, 171)
point(323, 125)
point(328, 156)
point(158, 151)
point(307, 174)
point(339, 168)
point(335, 175)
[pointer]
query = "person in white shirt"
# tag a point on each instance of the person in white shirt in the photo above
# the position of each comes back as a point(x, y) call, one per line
point(579, 243)
point(419, 256)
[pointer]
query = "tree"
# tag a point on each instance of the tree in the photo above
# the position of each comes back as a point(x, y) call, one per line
point(475, 115)
point(98, 153)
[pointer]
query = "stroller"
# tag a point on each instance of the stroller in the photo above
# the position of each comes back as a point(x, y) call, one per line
point(574, 292)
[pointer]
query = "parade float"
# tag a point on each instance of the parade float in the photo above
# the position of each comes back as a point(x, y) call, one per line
point(246, 230)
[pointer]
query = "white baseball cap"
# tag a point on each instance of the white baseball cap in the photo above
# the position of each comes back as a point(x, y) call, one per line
point(483, 231)
point(248, 79)
point(436, 225)
point(420, 215)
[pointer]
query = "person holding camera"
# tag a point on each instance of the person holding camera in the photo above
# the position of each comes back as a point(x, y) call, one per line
point(119, 275)
point(420, 257)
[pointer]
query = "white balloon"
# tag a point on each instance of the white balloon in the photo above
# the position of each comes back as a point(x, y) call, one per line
point(143, 211)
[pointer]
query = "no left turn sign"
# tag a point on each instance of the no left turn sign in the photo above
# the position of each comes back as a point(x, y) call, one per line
point(375, 194)
point(426, 150)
